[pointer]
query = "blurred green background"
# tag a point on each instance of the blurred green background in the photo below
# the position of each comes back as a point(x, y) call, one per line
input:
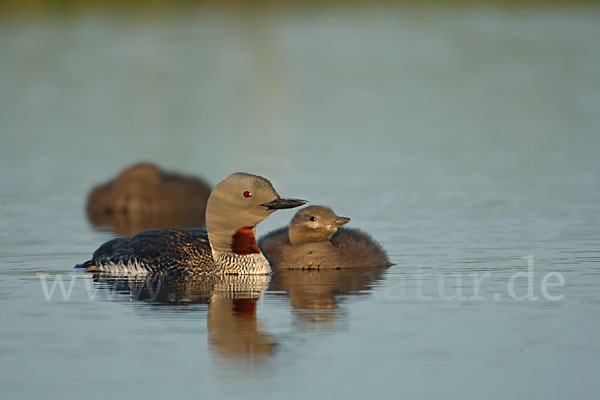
point(462, 135)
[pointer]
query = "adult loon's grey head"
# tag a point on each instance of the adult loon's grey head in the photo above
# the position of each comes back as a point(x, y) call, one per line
point(314, 224)
point(234, 208)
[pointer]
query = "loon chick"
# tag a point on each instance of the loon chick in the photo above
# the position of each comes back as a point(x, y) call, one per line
point(314, 240)
point(228, 246)
point(149, 197)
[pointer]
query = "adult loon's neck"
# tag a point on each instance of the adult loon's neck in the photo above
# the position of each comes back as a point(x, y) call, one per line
point(237, 264)
point(236, 240)
point(237, 252)
point(243, 241)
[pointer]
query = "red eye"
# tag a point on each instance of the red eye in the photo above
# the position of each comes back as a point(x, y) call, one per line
point(247, 194)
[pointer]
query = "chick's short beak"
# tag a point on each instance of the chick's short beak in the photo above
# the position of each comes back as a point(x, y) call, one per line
point(339, 221)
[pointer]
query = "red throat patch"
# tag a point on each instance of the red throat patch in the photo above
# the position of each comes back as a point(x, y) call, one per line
point(243, 241)
point(244, 308)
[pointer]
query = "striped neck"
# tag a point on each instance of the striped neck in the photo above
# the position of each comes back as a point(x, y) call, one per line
point(241, 264)
point(237, 253)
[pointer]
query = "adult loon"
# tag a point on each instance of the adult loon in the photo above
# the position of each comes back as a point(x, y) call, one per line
point(314, 240)
point(228, 246)
point(144, 197)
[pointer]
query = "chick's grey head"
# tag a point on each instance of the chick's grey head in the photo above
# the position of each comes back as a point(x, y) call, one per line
point(314, 224)
point(241, 201)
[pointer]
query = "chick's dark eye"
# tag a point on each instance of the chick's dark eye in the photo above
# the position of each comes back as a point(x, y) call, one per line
point(247, 194)
point(313, 218)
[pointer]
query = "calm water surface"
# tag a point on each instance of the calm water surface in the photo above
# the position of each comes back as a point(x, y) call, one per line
point(463, 140)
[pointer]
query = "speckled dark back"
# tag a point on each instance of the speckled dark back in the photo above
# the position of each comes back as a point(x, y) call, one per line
point(176, 250)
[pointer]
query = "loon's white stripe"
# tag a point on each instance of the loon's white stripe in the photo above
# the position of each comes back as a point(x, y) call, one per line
point(134, 267)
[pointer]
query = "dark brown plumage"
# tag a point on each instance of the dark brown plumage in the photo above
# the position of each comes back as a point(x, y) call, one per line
point(314, 240)
point(145, 197)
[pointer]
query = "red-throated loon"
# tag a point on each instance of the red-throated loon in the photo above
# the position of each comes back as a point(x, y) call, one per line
point(228, 246)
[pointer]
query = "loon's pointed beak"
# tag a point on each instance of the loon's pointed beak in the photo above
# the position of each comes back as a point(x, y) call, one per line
point(339, 221)
point(281, 203)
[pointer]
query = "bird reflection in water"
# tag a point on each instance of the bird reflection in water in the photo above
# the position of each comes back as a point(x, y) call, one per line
point(233, 330)
point(234, 333)
point(315, 294)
